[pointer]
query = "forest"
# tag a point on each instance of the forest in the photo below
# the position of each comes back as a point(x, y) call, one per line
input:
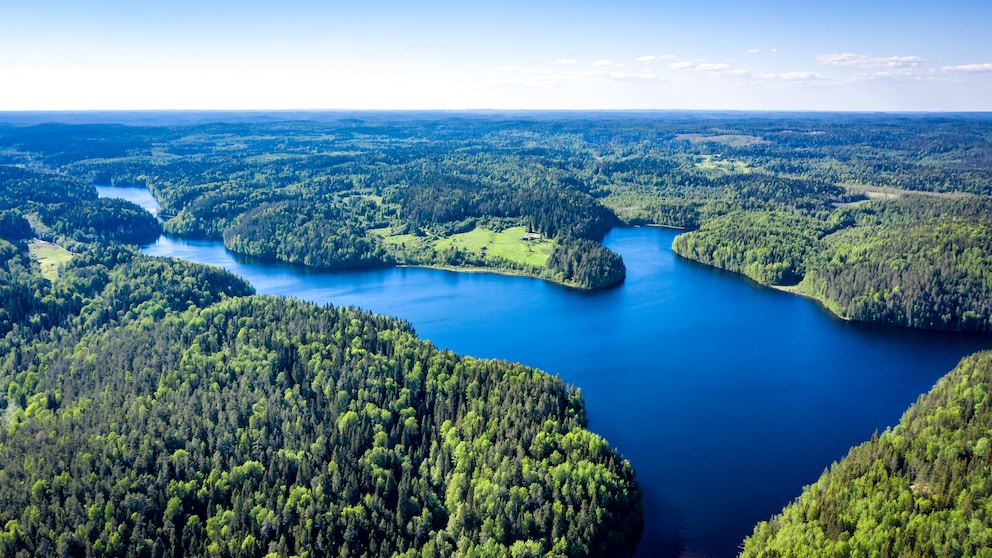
point(155, 407)
point(840, 207)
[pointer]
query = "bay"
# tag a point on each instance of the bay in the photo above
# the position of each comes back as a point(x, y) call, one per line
point(727, 397)
point(136, 194)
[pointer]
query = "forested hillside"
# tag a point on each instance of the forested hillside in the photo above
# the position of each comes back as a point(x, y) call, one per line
point(154, 407)
point(65, 210)
point(920, 489)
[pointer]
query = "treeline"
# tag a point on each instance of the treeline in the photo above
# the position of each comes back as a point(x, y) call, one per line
point(916, 262)
point(586, 264)
point(932, 274)
point(153, 407)
point(564, 176)
point(769, 247)
point(226, 181)
point(549, 211)
point(306, 234)
point(20, 289)
point(61, 209)
point(919, 489)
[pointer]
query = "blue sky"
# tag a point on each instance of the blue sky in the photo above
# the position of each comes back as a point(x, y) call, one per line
point(302, 54)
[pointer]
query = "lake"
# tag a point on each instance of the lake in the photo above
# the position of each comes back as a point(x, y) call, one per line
point(726, 397)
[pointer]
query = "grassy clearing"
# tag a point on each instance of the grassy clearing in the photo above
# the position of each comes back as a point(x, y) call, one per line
point(733, 140)
point(506, 244)
point(891, 193)
point(714, 164)
point(49, 256)
point(407, 240)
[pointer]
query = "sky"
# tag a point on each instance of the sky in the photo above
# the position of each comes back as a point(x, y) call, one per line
point(455, 55)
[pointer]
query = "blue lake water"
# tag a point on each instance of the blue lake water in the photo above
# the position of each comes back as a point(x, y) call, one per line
point(137, 194)
point(726, 397)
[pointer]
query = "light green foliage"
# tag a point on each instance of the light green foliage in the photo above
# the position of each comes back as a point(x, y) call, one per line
point(933, 273)
point(176, 415)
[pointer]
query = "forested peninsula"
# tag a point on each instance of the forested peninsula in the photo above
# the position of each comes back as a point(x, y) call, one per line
point(883, 218)
point(154, 407)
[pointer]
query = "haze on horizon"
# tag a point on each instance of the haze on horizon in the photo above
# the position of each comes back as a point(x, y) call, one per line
point(393, 55)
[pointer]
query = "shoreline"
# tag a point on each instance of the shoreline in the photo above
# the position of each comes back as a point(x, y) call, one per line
point(794, 290)
point(670, 227)
point(506, 272)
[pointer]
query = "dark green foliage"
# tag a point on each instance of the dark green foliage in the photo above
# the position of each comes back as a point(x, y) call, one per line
point(108, 220)
point(68, 211)
point(760, 190)
point(20, 289)
point(911, 209)
point(917, 261)
point(307, 193)
point(310, 191)
point(586, 264)
point(215, 209)
point(58, 145)
point(13, 226)
point(933, 274)
point(305, 234)
point(769, 247)
point(919, 489)
point(169, 284)
point(166, 413)
point(20, 187)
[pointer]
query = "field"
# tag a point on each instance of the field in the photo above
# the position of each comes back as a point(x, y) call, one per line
point(50, 257)
point(507, 244)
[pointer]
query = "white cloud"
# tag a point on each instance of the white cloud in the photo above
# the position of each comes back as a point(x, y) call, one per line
point(523, 76)
point(603, 62)
point(791, 76)
point(753, 51)
point(719, 70)
point(866, 61)
point(713, 67)
point(969, 68)
point(521, 69)
point(644, 75)
point(651, 57)
point(564, 61)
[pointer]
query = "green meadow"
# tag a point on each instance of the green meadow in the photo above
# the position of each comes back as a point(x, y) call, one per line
point(507, 244)
point(49, 256)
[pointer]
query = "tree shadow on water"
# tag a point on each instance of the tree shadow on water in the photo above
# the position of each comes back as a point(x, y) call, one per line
point(664, 528)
